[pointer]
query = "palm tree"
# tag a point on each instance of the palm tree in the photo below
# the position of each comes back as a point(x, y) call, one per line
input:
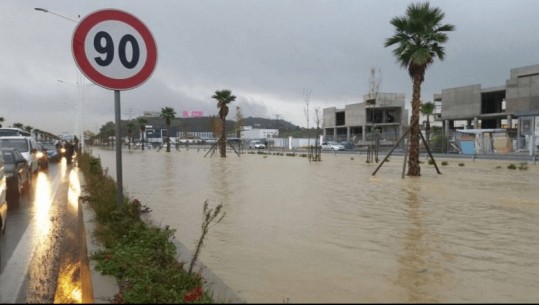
point(427, 109)
point(223, 97)
point(1, 120)
point(419, 36)
point(168, 114)
point(18, 125)
point(142, 124)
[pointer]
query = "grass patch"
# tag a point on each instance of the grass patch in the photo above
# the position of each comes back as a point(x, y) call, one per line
point(140, 256)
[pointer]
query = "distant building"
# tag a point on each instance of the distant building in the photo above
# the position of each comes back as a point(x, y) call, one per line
point(494, 107)
point(515, 104)
point(385, 115)
point(248, 132)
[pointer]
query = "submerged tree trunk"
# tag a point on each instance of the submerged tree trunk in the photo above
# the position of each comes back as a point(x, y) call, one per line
point(413, 154)
point(222, 140)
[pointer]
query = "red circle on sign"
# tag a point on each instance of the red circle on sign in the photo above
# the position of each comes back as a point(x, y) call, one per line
point(82, 60)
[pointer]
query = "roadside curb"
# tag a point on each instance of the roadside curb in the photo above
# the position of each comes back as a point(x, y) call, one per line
point(103, 287)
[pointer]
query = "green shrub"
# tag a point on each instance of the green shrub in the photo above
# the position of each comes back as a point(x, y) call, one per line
point(140, 256)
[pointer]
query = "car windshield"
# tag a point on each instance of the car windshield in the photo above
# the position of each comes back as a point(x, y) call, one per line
point(20, 144)
point(49, 146)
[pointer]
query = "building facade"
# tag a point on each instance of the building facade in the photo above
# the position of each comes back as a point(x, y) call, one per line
point(497, 107)
point(386, 116)
point(248, 132)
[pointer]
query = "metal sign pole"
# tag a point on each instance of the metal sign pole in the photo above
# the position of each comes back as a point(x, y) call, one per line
point(119, 183)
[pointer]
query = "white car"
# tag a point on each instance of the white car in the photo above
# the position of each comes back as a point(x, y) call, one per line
point(331, 145)
point(257, 145)
point(27, 146)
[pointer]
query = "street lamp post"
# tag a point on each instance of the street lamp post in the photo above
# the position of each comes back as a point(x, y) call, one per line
point(80, 80)
point(79, 130)
point(62, 16)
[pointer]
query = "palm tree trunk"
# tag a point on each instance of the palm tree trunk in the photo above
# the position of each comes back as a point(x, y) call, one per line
point(142, 140)
point(168, 137)
point(413, 160)
point(222, 140)
point(427, 129)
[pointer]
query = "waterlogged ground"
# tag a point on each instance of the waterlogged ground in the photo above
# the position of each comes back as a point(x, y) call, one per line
point(330, 231)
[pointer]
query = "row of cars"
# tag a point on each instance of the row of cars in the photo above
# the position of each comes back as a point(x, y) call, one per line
point(328, 145)
point(21, 157)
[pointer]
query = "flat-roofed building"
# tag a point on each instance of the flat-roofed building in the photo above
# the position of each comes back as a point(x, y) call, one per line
point(386, 115)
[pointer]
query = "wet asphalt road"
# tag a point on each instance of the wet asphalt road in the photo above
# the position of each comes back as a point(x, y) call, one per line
point(40, 250)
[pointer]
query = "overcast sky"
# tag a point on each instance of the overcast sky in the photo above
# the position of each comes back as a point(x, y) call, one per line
point(268, 53)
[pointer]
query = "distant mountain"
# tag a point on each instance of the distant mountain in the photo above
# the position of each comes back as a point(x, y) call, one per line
point(263, 123)
point(202, 124)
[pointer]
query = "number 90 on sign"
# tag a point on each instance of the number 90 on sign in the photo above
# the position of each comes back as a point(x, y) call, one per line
point(116, 54)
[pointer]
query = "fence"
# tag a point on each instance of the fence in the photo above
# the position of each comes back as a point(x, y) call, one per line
point(438, 142)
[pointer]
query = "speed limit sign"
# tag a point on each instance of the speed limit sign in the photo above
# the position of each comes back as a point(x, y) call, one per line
point(114, 49)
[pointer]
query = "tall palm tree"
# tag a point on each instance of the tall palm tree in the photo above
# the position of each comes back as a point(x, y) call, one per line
point(168, 114)
point(223, 97)
point(427, 109)
point(1, 120)
point(142, 124)
point(419, 36)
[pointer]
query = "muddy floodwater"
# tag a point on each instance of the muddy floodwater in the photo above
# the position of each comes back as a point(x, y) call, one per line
point(330, 231)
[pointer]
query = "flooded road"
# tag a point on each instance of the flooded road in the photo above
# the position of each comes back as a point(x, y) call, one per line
point(40, 250)
point(329, 231)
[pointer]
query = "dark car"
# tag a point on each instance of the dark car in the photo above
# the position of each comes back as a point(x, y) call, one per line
point(51, 150)
point(42, 157)
point(18, 174)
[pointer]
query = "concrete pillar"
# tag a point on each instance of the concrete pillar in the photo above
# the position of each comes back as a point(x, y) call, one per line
point(347, 133)
point(446, 127)
point(334, 134)
point(509, 121)
point(475, 123)
point(290, 142)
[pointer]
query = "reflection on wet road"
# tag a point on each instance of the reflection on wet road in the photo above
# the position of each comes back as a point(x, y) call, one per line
point(33, 247)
